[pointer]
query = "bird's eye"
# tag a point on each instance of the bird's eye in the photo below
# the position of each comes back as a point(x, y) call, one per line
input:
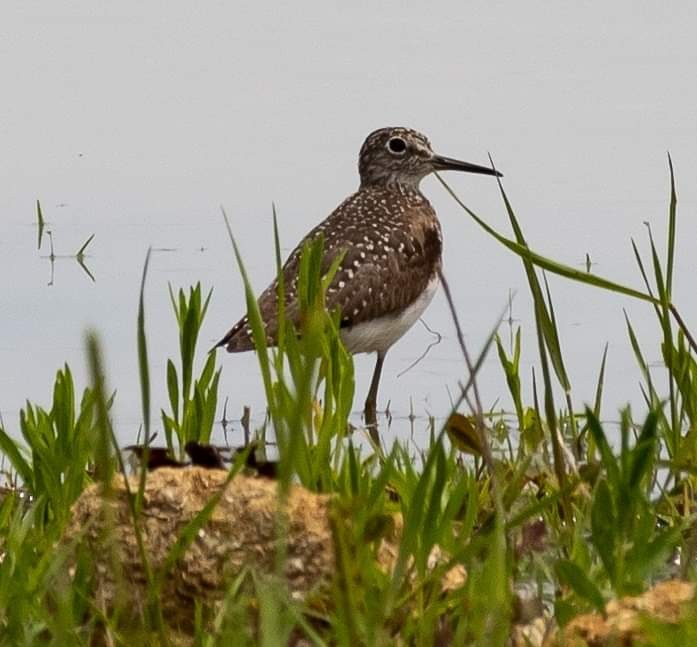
point(397, 145)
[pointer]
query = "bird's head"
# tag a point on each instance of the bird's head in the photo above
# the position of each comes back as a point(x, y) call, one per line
point(398, 156)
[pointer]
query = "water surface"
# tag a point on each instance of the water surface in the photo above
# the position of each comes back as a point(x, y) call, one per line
point(136, 123)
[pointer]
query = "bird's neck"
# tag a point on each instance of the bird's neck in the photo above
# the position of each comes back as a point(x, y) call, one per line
point(394, 184)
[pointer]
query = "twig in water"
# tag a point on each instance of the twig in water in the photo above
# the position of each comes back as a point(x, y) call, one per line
point(225, 422)
point(244, 421)
point(478, 409)
point(435, 342)
point(683, 326)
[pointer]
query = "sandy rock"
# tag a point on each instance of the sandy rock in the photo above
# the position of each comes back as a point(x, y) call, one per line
point(532, 634)
point(242, 531)
point(622, 624)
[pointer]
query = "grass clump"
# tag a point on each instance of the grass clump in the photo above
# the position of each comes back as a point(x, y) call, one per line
point(193, 401)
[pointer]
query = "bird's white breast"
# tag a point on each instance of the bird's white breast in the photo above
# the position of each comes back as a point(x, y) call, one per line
point(379, 334)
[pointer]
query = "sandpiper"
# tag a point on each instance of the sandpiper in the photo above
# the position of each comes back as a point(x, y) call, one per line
point(392, 244)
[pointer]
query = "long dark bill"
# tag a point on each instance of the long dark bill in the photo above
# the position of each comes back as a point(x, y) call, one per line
point(448, 164)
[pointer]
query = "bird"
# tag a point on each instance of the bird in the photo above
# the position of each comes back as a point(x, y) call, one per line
point(391, 241)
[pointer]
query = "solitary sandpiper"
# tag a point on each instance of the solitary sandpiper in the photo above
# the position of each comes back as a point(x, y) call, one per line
point(392, 243)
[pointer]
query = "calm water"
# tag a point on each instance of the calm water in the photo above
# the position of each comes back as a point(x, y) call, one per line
point(137, 126)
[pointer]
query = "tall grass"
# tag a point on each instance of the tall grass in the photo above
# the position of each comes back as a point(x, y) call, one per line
point(555, 507)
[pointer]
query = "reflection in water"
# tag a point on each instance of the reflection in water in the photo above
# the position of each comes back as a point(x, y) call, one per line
point(79, 256)
point(438, 338)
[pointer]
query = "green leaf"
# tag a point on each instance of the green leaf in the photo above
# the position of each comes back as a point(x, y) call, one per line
point(547, 264)
point(606, 455)
point(14, 454)
point(672, 210)
point(207, 372)
point(81, 252)
point(463, 433)
point(173, 389)
point(646, 559)
point(604, 527)
point(643, 452)
point(143, 364)
point(575, 577)
point(599, 387)
point(40, 223)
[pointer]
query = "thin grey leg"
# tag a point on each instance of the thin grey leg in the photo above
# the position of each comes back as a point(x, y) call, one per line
point(370, 412)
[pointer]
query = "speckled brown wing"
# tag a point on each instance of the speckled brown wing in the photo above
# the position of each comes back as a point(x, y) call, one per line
point(386, 273)
point(392, 248)
point(239, 337)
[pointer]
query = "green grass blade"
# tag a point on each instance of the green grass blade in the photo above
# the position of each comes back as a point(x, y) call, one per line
point(81, 252)
point(575, 577)
point(105, 469)
point(12, 451)
point(672, 210)
point(601, 382)
point(256, 323)
point(548, 264)
point(173, 390)
point(553, 341)
point(144, 374)
point(608, 458)
point(143, 364)
point(41, 223)
point(281, 284)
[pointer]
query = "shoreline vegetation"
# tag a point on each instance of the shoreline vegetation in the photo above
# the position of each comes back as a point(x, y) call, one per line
point(500, 522)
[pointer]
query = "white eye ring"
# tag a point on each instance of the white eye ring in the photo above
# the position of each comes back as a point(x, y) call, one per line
point(396, 146)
